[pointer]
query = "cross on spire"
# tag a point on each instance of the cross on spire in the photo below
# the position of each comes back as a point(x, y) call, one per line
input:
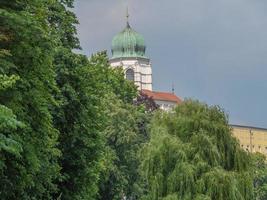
point(127, 17)
point(127, 14)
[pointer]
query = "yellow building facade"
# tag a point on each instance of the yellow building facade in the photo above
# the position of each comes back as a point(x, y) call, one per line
point(251, 139)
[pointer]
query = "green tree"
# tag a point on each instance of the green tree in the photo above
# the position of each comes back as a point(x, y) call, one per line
point(27, 53)
point(192, 155)
point(260, 176)
point(78, 114)
point(37, 42)
point(125, 135)
point(10, 146)
point(85, 86)
point(79, 120)
point(79, 117)
point(113, 79)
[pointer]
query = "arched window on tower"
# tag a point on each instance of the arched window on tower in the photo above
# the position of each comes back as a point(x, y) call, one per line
point(130, 74)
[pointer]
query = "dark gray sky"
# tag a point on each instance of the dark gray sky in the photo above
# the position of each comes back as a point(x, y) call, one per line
point(212, 50)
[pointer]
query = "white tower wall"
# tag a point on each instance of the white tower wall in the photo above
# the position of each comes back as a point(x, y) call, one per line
point(142, 70)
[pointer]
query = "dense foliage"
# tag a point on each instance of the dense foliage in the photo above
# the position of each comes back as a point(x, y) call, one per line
point(10, 145)
point(86, 90)
point(260, 176)
point(125, 135)
point(192, 155)
point(28, 54)
point(58, 97)
point(74, 128)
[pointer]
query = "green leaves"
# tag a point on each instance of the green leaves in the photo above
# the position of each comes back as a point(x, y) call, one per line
point(260, 176)
point(124, 138)
point(69, 128)
point(28, 153)
point(8, 124)
point(7, 82)
point(55, 109)
point(80, 122)
point(192, 155)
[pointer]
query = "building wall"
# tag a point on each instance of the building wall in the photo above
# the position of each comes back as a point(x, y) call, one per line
point(142, 70)
point(251, 139)
point(165, 105)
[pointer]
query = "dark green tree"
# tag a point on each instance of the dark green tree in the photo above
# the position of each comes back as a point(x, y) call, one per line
point(113, 79)
point(27, 53)
point(78, 113)
point(10, 145)
point(79, 120)
point(192, 155)
point(125, 136)
point(83, 86)
point(260, 176)
point(37, 38)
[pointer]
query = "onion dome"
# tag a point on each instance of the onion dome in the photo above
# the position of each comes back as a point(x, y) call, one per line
point(128, 43)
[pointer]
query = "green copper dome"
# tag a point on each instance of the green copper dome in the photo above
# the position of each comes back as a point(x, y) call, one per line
point(128, 43)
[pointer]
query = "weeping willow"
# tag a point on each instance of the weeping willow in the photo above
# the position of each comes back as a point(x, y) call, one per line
point(192, 155)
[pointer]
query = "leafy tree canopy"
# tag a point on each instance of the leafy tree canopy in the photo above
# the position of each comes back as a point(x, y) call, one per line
point(125, 133)
point(260, 176)
point(26, 62)
point(192, 155)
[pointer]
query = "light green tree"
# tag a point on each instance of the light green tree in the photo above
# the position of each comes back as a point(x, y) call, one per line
point(192, 155)
point(260, 176)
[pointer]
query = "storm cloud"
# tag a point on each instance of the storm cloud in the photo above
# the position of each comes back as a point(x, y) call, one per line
point(211, 50)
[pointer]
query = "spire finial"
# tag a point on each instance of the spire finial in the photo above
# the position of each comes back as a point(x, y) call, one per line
point(127, 17)
point(173, 88)
point(127, 13)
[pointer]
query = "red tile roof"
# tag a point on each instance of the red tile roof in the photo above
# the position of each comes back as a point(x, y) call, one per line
point(162, 96)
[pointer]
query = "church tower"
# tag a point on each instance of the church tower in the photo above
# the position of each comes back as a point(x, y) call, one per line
point(128, 51)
